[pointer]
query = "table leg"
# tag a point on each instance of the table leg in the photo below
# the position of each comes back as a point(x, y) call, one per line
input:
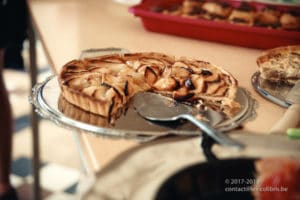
point(34, 116)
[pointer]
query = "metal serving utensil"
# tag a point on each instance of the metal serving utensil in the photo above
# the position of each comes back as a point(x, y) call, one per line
point(155, 107)
point(291, 117)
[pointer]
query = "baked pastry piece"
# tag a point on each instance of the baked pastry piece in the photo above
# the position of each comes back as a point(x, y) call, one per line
point(244, 14)
point(104, 85)
point(290, 20)
point(192, 8)
point(268, 17)
point(281, 64)
point(216, 10)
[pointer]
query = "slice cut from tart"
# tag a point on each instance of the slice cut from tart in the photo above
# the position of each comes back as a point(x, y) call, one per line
point(104, 85)
point(280, 64)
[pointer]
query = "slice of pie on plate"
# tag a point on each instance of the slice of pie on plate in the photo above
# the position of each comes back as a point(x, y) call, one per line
point(280, 64)
point(104, 85)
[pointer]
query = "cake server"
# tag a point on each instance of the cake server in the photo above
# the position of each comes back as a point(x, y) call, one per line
point(291, 117)
point(155, 107)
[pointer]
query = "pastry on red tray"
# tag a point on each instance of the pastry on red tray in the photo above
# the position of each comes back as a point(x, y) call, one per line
point(268, 17)
point(216, 10)
point(290, 20)
point(280, 64)
point(277, 179)
point(192, 8)
point(243, 14)
point(104, 85)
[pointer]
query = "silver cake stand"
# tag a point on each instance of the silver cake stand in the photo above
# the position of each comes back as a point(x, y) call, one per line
point(45, 97)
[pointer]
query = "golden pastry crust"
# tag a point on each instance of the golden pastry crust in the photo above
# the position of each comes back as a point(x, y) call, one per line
point(79, 114)
point(104, 85)
point(280, 64)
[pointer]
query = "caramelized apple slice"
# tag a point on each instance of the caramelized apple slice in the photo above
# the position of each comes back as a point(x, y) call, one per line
point(221, 91)
point(199, 84)
point(102, 93)
point(78, 83)
point(181, 72)
point(95, 79)
point(166, 84)
point(212, 78)
point(89, 90)
point(213, 87)
point(112, 87)
point(150, 76)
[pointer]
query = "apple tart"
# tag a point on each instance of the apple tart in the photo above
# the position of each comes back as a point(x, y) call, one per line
point(104, 85)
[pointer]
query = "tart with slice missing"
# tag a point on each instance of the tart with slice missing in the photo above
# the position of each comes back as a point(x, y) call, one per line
point(104, 85)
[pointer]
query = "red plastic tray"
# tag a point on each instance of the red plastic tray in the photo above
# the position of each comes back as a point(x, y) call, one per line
point(218, 31)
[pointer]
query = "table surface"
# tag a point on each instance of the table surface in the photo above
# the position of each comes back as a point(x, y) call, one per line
point(66, 27)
